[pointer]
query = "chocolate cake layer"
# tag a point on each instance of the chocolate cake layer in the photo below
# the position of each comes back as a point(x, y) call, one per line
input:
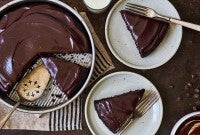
point(31, 31)
point(69, 76)
point(115, 111)
point(146, 32)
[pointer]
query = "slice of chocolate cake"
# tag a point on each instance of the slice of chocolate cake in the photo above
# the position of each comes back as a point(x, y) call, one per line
point(69, 76)
point(146, 32)
point(115, 111)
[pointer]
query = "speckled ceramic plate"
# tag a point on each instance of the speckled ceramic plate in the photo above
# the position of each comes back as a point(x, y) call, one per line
point(123, 46)
point(115, 84)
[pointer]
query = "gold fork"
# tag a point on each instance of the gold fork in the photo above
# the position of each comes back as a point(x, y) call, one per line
point(145, 104)
point(149, 12)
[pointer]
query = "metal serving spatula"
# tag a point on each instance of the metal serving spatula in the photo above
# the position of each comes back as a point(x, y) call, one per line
point(30, 88)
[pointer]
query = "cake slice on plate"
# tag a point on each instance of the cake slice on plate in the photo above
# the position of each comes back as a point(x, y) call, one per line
point(146, 32)
point(115, 111)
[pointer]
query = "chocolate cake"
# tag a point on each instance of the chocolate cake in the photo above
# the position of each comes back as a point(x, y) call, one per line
point(69, 76)
point(33, 31)
point(146, 32)
point(115, 111)
point(191, 126)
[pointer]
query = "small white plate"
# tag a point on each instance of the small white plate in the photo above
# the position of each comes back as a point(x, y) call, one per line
point(119, 83)
point(176, 126)
point(123, 46)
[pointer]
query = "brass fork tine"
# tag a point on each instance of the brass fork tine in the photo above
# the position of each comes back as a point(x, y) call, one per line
point(144, 100)
point(139, 7)
point(148, 104)
point(136, 11)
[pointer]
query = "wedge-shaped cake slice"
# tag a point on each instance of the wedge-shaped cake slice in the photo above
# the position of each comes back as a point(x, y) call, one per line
point(115, 111)
point(69, 76)
point(146, 32)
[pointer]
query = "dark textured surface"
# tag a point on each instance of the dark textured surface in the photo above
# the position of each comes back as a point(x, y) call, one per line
point(172, 79)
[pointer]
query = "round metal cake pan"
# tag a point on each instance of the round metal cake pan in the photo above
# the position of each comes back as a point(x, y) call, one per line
point(6, 100)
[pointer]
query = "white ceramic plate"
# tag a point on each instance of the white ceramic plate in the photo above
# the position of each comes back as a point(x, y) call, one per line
point(176, 126)
point(115, 84)
point(123, 46)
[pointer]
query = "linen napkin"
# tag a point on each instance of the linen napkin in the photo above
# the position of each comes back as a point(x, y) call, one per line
point(66, 118)
point(70, 116)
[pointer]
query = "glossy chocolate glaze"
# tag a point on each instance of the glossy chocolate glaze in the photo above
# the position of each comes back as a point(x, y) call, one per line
point(115, 111)
point(69, 76)
point(32, 31)
point(191, 126)
point(146, 32)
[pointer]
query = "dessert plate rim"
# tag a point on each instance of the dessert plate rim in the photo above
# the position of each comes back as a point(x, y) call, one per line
point(96, 93)
point(126, 59)
point(181, 120)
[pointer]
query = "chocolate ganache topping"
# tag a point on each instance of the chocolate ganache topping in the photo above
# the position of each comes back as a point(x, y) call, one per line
point(32, 31)
point(147, 32)
point(115, 111)
point(69, 76)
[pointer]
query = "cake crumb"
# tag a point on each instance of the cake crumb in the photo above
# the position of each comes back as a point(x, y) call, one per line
point(197, 102)
point(178, 99)
point(196, 95)
point(193, 76)
point(189, 84)
point(188, 95)
point(194, 108)
point(197, 90)
point(186, 87)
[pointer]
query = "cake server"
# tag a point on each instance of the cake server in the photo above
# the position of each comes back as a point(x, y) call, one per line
point(151, 13)
point(30, 88)
point(34, 83)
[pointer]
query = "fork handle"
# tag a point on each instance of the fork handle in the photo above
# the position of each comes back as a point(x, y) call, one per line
point(185, 24)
